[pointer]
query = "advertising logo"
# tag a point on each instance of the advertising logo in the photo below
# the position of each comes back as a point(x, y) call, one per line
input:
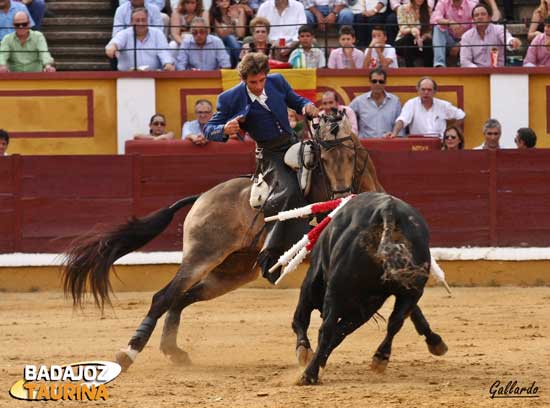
point(77, 381)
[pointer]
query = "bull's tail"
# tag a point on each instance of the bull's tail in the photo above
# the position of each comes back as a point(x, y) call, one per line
point(397, 259)
point(89, 258)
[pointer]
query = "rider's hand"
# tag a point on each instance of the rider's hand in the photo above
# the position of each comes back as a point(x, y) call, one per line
point(232, 127)
point(311, 110)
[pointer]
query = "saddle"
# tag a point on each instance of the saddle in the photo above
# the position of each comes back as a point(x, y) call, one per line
point(300, 158)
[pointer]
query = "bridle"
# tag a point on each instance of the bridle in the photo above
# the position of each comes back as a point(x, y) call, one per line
point(319, 144)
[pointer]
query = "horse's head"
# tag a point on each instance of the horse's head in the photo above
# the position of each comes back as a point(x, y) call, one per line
point(337, 152)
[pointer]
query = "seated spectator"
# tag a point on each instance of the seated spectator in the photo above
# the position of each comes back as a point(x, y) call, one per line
point(368, 14)
point(124, 12)
point(453, 139)
point(157, 129)
point(165, 12)
point(37, 10)
point(152, 48)
point(491, 133)
point(201, 51)
point(347, 56)
point(415, 33)
point(8, 8)
point(538, 53)
point(377, 109)
point(526, 138)
point(180, 20)
point(323, 12)
point(25, 50)
point(194, 130)
point(425, 114)
point(483, 44)
point(305, 56)
point(537, 20)
point(4, 142)
point(259, 27)
point(229, 23)
point(378, 52)
point(451, 19)
point(285, 17)
point(329, 102)
point(296, 124)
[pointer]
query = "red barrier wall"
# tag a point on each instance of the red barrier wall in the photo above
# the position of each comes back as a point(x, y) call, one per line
point(469, 198)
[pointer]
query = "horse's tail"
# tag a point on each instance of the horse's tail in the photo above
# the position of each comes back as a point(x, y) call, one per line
point(90, 257)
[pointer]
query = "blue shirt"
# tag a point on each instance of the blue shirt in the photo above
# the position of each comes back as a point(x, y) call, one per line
point(151, 52)
point(123, 17)
point(374, 120)
point(211, 56)
point(192, 127)
point(159, 3)
point(6, 19)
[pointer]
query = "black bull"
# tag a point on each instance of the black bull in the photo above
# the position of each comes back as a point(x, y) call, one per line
point(375, 247)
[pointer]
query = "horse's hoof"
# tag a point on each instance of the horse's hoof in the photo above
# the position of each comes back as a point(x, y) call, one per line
point(307, 380)
point(379, 364)
point(123, 360)
point(438, 349)
point(304, 355)
point(180, 358)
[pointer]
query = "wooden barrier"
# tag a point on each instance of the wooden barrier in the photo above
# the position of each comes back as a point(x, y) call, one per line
point(478, 198)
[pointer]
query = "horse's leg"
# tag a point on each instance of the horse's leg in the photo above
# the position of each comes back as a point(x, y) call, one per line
point(402, 308)
point(435, 343)
point(216, 283)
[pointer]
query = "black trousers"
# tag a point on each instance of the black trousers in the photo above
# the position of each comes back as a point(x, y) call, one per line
point(285, 195)
point(406, 48)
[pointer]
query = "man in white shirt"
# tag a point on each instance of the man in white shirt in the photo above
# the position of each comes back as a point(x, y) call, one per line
point(426, 115)
point(283, 12)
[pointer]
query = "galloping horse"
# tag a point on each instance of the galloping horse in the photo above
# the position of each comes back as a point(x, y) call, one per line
point(222, 236)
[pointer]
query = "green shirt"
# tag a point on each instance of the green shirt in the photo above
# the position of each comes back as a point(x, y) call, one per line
point(30, 59)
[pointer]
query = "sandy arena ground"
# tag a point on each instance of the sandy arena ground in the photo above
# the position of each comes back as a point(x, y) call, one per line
point(242, 349)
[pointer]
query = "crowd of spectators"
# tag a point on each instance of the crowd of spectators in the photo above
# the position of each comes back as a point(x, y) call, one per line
point(387, 33)
point(205, 34)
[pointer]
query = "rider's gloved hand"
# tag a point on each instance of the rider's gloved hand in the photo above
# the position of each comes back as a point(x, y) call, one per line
point(310, 110)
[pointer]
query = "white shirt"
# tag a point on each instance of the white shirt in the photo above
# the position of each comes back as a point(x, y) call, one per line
point(389, 52)
point(430, 122)
point(261, 99)
point(293, 14)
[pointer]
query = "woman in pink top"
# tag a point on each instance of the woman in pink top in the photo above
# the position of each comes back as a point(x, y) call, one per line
point(538, 54)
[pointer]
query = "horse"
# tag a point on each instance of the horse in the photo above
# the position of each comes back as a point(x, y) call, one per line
point(219, 256)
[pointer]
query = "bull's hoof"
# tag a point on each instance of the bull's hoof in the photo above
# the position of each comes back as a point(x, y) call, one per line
point(307, 380)
point(123, 360)
point(179, 357)
point(304, 355)
point(378, 364)
point(438, 349)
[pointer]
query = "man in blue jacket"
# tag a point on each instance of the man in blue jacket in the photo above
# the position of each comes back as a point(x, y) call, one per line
point(258, 105)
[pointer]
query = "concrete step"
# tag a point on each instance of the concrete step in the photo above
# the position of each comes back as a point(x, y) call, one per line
point(81, 37)
point(78, 51)
point(91, 8)
point(83, 66)
point(77, 24)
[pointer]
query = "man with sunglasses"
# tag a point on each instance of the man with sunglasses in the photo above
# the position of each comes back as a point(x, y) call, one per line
point(25, 50)
point(377, 109)
point(194, 130)
point(202, 51)
point(8, 8)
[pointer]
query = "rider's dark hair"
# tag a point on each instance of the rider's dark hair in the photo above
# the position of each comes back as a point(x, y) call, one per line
point(528, 136)
point(378, 71)
point(253, 63)
point(4, 135)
